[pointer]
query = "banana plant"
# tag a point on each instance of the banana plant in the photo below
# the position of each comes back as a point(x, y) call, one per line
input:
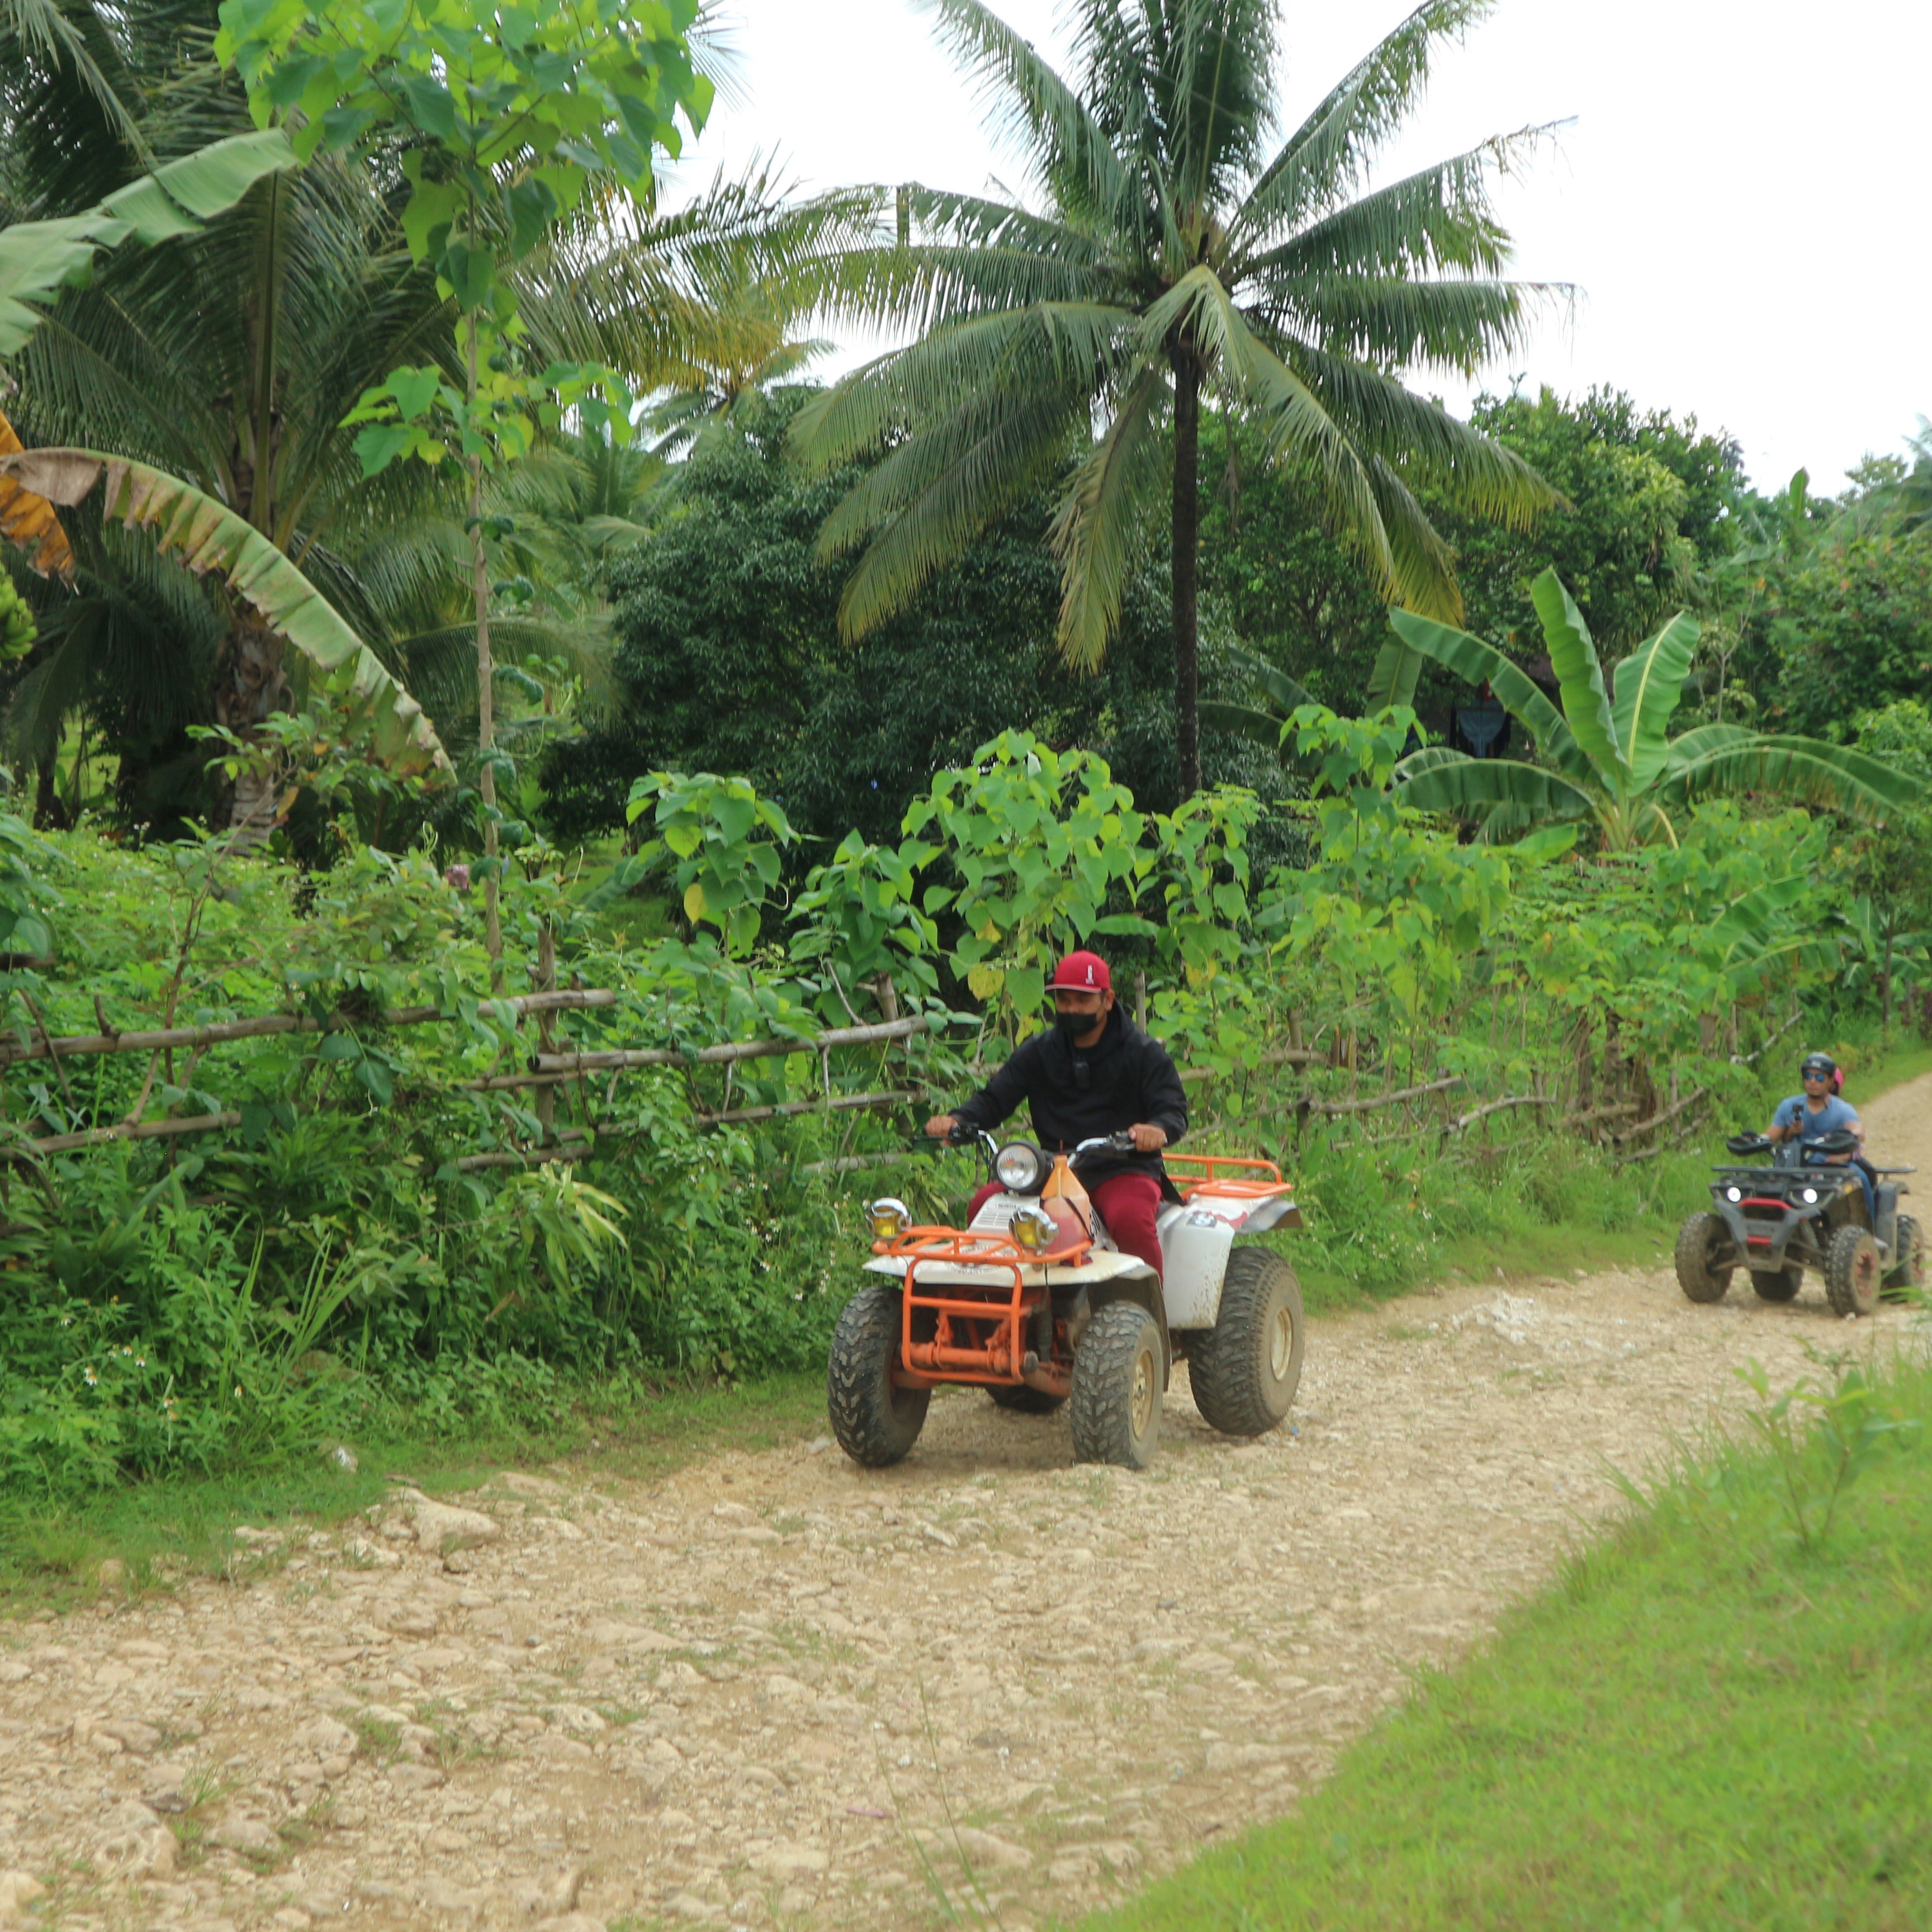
point(1610, 762)
point(207, 535)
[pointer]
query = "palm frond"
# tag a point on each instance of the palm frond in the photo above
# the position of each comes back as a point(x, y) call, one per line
point(940, 491)
point(1076, 345)
point(1046, 120)
point(1420, 440)
point(1330, 152)
point(1098, 524)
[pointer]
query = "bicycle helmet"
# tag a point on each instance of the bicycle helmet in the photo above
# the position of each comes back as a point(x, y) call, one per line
point(1818, 1066)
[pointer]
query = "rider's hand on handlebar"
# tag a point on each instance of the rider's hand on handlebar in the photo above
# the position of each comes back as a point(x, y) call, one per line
point(1147, 1139)
point(941, 1127)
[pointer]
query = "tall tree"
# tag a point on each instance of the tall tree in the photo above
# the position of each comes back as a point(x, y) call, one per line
point(1172, 247)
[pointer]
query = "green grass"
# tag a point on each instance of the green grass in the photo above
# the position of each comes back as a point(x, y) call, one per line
point(51, 1553)
point(1708, 1723)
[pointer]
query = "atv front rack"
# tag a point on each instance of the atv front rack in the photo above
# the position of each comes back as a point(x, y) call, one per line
point(978, 1334)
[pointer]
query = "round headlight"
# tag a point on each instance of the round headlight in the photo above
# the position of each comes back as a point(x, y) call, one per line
point(1808, 1196)
point(889, 1218)
point(1734, 1194)
point(1021, 1167)
point(1034, 1229)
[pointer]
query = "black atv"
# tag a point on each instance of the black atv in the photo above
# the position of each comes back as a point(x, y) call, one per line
point(1797, 1213)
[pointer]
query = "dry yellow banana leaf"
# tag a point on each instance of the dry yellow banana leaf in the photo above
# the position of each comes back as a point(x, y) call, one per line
point(29, 520)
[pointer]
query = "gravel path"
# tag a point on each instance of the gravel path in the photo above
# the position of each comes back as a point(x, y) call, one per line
point(776, 1691)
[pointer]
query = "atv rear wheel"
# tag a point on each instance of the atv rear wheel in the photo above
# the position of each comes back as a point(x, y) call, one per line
point(876, 1421)
point(1853, 1269)
point(1908, 1260)
point(1778, 1284)
point(1703, 1272)
point(1247, 1368)
point(1023, 1400)
point(1117, 1378)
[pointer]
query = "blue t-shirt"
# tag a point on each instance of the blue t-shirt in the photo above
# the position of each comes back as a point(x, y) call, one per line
point(1834, 1114)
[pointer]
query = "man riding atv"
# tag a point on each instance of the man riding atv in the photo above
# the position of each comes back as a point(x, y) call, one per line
point(1820, 1205)
point(1809, 1116)
point(1093, 1073)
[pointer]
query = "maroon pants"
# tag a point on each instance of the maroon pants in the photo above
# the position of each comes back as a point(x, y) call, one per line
point(1127, 1202)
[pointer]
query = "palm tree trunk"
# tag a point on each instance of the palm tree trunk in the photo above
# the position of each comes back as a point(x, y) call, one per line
point(252, 685)
point(1186, 566)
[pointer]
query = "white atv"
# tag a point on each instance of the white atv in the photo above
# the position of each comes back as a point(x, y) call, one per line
point(1035, 1303)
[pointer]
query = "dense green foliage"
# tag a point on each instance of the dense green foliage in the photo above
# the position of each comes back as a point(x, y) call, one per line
point(727, 657)
point(1722, 1718)
point(324, 1253)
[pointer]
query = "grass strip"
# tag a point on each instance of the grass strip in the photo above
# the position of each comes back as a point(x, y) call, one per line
point(1720, 1716)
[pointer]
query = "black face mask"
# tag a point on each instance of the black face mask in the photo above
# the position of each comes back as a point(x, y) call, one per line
point(1075, 1024)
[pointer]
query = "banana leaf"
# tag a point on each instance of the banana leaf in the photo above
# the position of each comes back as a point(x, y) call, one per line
point(1586, 705)
point(1649, 687)
point(1807, 771)
point(207, 535)
point(1469, 657)
point(39, 259)
point(1428, 780)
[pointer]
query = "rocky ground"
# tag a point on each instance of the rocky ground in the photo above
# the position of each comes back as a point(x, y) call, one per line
point(776, 1690)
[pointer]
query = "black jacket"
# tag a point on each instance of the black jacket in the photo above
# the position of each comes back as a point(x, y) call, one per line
point(1125, 1077)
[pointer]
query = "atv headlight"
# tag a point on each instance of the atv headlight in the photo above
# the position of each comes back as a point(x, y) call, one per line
point(1020, 1167)
point(1734, 1194)
point(1034, 1229)
point(889, 1218)
point(1809, 1195)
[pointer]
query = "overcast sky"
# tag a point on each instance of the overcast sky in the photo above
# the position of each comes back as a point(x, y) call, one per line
point(1740, 199)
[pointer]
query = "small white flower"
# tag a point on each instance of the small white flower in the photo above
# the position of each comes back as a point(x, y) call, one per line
point(93, 1380)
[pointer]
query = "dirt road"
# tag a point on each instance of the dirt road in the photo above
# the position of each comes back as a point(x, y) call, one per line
point(775, 1691)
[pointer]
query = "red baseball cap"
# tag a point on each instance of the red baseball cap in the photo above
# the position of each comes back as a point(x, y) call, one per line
point(1083, 972)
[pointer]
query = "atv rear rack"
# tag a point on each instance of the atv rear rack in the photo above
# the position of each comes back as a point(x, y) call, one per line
point(1221, 1173)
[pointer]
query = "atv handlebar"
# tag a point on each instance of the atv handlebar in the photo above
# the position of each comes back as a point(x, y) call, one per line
point(1122, 1142)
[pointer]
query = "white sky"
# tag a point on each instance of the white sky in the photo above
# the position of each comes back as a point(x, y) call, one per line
point(1740, 200)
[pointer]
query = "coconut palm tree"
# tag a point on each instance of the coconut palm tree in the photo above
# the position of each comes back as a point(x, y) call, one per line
point(1611, 762)
point(1174, 248)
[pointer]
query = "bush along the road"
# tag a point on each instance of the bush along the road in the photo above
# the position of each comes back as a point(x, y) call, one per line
point(369, 1214)
point(1721, 1717)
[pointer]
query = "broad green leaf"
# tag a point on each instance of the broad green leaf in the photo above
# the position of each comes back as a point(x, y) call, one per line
point(694, 901)
point(1466, 787)
point(39, 259)
point(1649, 686)
point(1470, 658)
point(1586, 705)
point(206, 535)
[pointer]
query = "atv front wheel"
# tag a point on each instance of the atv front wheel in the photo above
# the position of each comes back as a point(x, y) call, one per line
point(1853, 1271)
point(1247, 1368)
point(1705, 1255)
point(1116, 1376)
point(1908, 1260)
point(876, 1421)
point(1778, 1284)
point(1024, 1400)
